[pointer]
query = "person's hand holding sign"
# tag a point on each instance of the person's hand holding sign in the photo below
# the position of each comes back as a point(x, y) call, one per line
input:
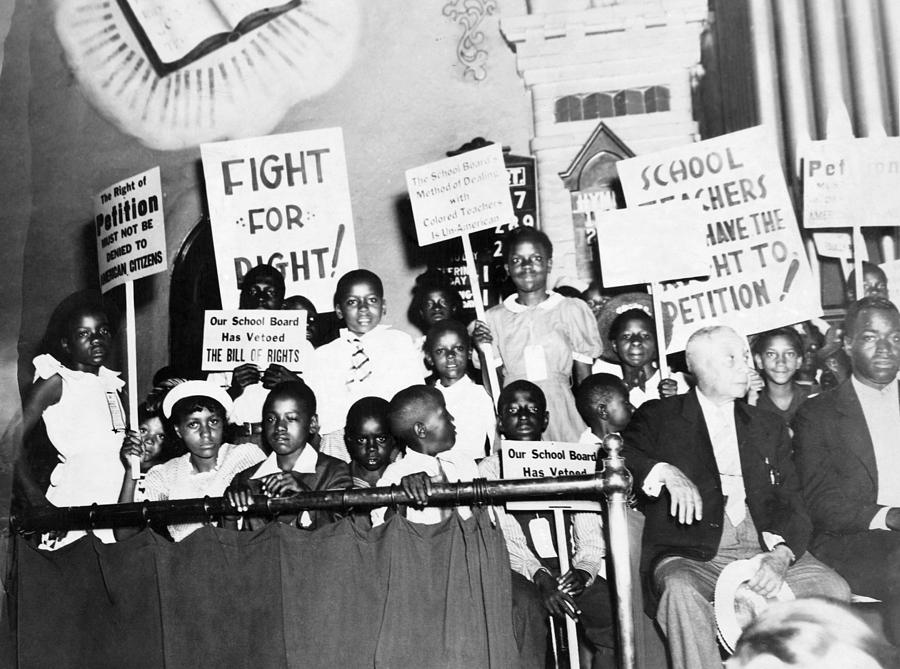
point(276, 374)
point(558, 602)
point(243, 376)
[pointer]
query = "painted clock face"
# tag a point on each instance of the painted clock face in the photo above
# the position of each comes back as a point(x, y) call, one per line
point(248, 73)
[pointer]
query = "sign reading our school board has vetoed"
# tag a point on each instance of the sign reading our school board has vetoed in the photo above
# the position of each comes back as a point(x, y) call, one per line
point(537, 459)
point(459, 195)
point(281, 200)
point(851, 182)
point(129, 227)
point(232, 337)
point(759, 277)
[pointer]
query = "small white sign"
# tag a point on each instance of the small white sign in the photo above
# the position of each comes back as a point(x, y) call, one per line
point(257, 336)
point(539, 459)
point(129, 227)
point(460, 195)
point(636, 245)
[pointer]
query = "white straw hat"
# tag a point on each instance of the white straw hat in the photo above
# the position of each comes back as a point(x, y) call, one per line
point(196, 389)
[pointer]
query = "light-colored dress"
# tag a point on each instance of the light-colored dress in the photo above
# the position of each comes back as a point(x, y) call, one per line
point(80, 427)
point(540, 343)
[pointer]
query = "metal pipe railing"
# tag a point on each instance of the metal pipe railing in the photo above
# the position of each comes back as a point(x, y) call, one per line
point(613, 482)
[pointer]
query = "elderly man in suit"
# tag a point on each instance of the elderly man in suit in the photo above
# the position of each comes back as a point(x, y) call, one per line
point(717, 484)
point(848, 455)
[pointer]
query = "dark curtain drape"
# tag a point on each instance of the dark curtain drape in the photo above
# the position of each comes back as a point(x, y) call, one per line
point(400, 595)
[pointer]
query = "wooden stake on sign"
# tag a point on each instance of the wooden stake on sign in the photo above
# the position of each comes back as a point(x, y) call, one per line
point(562, 549)
point(474, 284)
point(655, 289)
point(858, 248)
point(131, 358)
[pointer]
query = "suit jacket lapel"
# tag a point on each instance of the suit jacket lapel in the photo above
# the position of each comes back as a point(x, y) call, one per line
point(854, 430)
point(693, 414)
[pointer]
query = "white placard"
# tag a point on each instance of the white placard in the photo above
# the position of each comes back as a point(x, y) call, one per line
point(234, 337)
point(760, 278)
point(129, 227)
point(851, 182)
point(281, 200)
point(539, 459)
point(636, 245)
point(460, 195)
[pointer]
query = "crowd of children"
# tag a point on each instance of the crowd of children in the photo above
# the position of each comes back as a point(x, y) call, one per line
point(373, 407)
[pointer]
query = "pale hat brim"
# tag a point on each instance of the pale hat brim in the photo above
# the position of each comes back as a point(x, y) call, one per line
point(197, 389)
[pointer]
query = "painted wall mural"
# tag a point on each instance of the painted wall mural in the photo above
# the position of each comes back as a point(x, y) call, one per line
point(175, 74)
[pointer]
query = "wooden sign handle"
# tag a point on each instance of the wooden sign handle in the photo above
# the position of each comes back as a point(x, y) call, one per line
point(859, 245)
point(475, 285)
point(655, 289)
point(131, 358)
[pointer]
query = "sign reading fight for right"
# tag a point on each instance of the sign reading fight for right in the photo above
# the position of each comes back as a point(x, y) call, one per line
point(128, 225)
point(257, 336)
point(539, 459)
point(281, 200)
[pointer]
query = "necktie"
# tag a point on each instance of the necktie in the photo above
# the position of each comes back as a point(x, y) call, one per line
point(360, 369)
point(728, 459)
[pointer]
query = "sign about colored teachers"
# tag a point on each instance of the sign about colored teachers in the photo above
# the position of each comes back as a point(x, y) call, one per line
point(759, 277)
point(459, 195)
point(537, 459)
point(131, 234)
point(281, 200)
point(851, 182)
point(232, 337)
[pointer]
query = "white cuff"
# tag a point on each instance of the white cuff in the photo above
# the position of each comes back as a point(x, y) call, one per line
point(879, 521)
point(652, 483)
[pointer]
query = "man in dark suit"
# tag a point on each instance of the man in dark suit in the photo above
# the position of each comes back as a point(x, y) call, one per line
point(847, 445)
point(718, 485)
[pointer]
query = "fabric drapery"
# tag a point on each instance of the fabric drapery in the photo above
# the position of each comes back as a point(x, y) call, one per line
point(399, 595)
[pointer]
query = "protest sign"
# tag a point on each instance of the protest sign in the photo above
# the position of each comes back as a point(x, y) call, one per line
point(455, 197)
point(538, 459)
point(131, 244)
point(128, 225)
point(851, 182)
point(759, 277)
point(281, 200)
point(257, 336)
point(459, 195)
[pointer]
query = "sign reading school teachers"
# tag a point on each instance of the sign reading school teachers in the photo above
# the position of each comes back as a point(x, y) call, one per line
point(128, 225)
point(459, 195)
point(537, 459)
point(759, 277)
point(281, 200)
point(232, 337)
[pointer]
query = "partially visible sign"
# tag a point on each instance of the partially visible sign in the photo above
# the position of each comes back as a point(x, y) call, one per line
point(129, 227)
point(539, 459)
point(836, 245)
point(759, 276)
point(851, 182)
point(281, 200)
point(460, 195)
point(258, 336)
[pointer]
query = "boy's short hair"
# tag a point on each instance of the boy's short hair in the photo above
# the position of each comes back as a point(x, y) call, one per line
point(367, 407)
point(406, 410)
point(597, 389)
point(761, 341)
point(299, 302)
point(297, 390)
point(854, 310)
point(521, 385)
point(354, 277)
point(264, 272)
point(615, 328)
point(525, 233)
point(441, 328)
